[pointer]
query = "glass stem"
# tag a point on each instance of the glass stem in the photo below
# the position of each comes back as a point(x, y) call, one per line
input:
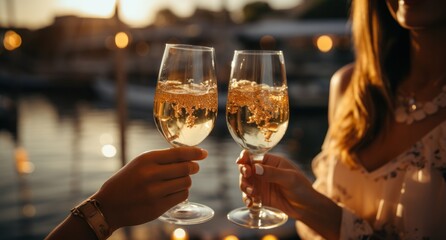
point(256, 206)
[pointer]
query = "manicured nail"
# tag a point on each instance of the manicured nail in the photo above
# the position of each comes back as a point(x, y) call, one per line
point(249, 190)
point(259, 169)
point(248, 202)
point(244, 171)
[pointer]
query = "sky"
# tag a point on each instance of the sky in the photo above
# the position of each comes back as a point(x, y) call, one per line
point(137, 13)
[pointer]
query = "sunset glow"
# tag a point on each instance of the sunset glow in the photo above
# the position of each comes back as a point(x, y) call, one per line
point(137, 13)
point(96, 8)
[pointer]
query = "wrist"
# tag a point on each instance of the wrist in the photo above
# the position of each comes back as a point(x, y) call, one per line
point(90, 211)
point(107, 210)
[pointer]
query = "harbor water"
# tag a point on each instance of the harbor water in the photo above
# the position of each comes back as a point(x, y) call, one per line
point(63, 144)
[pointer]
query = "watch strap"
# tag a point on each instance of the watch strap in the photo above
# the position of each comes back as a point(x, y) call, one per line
point(89, 210)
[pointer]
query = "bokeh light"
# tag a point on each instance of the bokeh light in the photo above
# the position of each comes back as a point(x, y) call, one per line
point(108, 150)
point(269, 237)
point(231, 237)
point(122, 40)
point(179, 234)
point(324, 43)
point(12, 40)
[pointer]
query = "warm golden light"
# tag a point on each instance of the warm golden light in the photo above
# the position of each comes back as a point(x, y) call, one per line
point(23, 164)
point(269, 237)
point(12, 40)
point(122, 40)
point(86, 8)
point(179, 234)
point(324, 43)
point(231, 237)
point(29, 210)
point(108, 150)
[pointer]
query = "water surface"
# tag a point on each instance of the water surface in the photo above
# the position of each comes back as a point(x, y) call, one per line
point(61, 135)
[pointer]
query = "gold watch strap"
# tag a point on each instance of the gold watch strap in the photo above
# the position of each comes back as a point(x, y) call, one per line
point(89, 210)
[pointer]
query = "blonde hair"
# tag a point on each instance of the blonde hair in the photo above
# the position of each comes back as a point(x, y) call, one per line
point(380, 46)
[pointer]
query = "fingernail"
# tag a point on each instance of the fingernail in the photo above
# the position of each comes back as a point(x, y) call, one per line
point(239, 157)
point(259, 169)
point(248, 202)
point(244, 171)
point(249, 190)
point(204, 152)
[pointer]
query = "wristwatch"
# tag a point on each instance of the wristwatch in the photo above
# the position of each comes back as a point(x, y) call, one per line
point(89, 211)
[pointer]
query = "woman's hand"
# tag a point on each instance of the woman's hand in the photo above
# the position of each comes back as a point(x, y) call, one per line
point(148, 186)
point(285, 187)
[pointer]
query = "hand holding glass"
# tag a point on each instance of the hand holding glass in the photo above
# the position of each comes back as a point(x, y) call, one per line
point(257, 113)
point(185, 110)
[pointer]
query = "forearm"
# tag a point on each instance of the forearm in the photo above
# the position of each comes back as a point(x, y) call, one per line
point(322, 215)
point(72, 227)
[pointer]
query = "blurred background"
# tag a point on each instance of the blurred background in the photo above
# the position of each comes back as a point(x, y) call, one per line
point(77, 82)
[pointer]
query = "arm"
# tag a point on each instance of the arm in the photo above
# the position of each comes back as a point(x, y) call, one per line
point(140, 192)
point(289, 189)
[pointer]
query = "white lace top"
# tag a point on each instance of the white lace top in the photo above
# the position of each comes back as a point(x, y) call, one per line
point(404, 199)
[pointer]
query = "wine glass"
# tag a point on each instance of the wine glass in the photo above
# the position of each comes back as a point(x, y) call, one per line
point(185, 110)
point(257, 113)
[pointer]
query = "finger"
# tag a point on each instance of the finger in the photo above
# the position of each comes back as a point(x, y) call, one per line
point(245, 170)
point(172, 171)
point(247, 200)
point(278, 161)
point(246, 188)
point(178, 184)
point(272, 160)
point(178, 154)
point(166, 188)
point(243, 158)
point(175, 198)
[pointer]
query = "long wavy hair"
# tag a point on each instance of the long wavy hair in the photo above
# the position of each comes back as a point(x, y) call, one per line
point(382, 53)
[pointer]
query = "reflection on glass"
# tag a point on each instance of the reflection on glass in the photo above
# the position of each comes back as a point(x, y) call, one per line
point(257, 113)
point(185, 110)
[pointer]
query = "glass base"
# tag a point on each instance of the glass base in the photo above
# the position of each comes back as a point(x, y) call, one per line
point(187, 214)
point(268, 218)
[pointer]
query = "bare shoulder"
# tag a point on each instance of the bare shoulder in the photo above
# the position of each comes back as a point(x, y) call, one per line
point(338, 84)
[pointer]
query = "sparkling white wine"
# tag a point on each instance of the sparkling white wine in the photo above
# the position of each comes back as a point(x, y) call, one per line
point(257, 114)
point(185, 113)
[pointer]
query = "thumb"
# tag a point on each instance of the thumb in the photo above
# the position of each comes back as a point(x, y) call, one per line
point(286, 178)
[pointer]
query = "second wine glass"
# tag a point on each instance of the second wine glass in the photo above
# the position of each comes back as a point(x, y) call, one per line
point(257, 113)
point(185, 110)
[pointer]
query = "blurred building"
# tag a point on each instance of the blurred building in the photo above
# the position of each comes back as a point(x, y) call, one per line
point(78, 51)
